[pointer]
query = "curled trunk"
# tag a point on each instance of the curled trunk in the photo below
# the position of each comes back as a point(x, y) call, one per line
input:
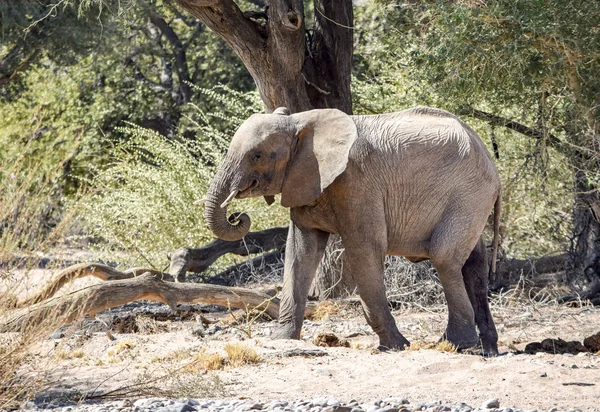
point(231, 228)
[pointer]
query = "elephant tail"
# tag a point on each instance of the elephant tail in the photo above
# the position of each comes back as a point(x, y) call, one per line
point(496, 238)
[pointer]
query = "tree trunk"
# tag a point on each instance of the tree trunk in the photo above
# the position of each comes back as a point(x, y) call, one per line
point(292, 67)
point(584, 271)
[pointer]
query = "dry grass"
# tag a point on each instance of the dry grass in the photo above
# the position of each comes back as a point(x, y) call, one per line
point(29, 224)
point(325, 309)
point(240, 354)
point(207, 361)
point(412, 284)
point(443, 346)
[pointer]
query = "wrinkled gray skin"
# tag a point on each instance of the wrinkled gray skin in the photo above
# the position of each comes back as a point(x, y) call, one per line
point(418, 183)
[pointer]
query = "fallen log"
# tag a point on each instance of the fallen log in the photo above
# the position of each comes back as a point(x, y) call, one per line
point(124, 287)
point(82, 270)
point(199, 259)
point(540, 272)
point(149, 286)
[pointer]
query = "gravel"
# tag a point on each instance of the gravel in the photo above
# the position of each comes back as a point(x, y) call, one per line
point(304, 405)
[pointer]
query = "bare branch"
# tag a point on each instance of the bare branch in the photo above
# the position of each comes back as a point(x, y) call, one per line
point(180, 55)
point(495, 120)
point(82, 270)
point(226, 19)
point(198, 260)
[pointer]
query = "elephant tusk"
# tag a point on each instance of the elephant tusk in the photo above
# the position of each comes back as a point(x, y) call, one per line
point(200, 201)
point(229, 198)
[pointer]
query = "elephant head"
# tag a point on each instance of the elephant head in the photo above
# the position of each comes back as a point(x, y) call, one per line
point(297, 155)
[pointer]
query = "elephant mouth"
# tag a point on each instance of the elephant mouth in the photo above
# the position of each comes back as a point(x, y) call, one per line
point(247, 192)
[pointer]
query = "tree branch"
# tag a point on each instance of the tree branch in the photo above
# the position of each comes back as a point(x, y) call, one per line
point(495, 120)
point(226, 19)
point(198, 260)
point(180, 55)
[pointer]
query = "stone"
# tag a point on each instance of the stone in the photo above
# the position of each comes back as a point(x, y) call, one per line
point(320, 401)
point(333, 402)
point(543, 375)
point(28, 405)
point(59, 334)
point(493, 403)
point(176, 407)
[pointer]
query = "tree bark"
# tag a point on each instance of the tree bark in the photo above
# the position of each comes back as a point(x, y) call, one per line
point(292, 67)
point(584, 267)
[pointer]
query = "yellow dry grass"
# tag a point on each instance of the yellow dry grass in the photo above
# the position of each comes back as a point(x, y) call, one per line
point(120, 347)
point(325, 310)
point(443, 346)
point(240, 354)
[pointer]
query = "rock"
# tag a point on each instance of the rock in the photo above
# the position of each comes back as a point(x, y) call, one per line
point(592, 343)
point(28, 405)
point(248, 406)
point(276, 404)
point(555, 346)
point(149, 402)
point(543, 375)
point(337, 408)
point(59, 334)
point(176, 407)
point(320, 401)
point(330, 340)
point(491, 404)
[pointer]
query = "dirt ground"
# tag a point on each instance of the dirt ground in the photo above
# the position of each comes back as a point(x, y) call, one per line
point(88, 359)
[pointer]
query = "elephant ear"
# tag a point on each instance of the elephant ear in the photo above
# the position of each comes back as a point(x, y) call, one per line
point(323, 141)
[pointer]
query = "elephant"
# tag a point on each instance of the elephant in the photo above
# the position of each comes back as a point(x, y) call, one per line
point(418, 183)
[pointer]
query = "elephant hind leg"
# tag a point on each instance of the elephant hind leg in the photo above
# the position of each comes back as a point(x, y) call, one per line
point(476, 282)
point(448, 255)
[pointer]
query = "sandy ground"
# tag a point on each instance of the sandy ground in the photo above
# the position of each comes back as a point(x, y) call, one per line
point(91, 361)
point(161, 356)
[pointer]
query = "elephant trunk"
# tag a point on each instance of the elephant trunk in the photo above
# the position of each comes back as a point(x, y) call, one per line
point(219, 195)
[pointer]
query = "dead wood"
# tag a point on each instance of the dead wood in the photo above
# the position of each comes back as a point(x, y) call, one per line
point(82, 270)
point(149, 286)
point(124, 287)
point(540, 272)
point(268, 266)
point(198, 260)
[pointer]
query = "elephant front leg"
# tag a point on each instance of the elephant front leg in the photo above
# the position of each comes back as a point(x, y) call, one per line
point(303, 252)
point(366, 265)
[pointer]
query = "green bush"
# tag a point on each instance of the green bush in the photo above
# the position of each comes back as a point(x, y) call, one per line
point(143, 205)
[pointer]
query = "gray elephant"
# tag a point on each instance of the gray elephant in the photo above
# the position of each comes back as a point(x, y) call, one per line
point(418, 183)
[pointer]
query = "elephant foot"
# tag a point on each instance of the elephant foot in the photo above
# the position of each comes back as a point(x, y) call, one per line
point(286, 331)
point(489, 347)
point(463, 339)
point(395, 342)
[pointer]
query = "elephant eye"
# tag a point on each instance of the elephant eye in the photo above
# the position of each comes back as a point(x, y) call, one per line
point(256, 157)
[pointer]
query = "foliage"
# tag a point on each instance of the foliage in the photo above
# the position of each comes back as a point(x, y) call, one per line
point(464, 55)
point(29, 225)
point(144, 202)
